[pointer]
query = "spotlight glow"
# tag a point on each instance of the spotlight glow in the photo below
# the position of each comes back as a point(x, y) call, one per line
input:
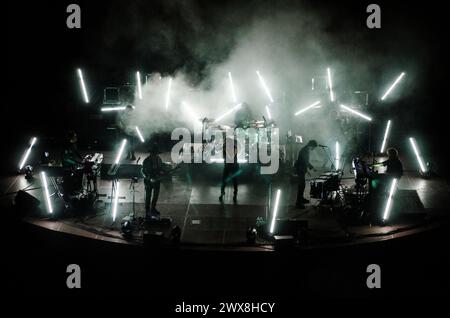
point(330, 84)
point(112, 109)
point(338, 156)
point(356, 113)
point(275, 211)
point(139, 134)
point(354, 168)
point(418, 156)
point(263, 84)
point(46, 193)
point(268, 112)
point(119, 154)
point(138, 81)
point(116, 201)
point(393, 85)
point(383, 145)
point(168, 94)
point(27, 154)
point(389, 201)
point(306, 108)
point(233, 93)
point(228, 112)
point(83, 86)
point(195, 118)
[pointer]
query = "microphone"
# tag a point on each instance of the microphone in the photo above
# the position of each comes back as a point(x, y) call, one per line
point(138, 160)
point(323, 146)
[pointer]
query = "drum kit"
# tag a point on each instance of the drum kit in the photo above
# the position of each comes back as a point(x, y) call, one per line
point(249, 131)
point(323, 186)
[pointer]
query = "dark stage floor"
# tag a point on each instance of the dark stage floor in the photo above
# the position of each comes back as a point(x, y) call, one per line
point(190, 199)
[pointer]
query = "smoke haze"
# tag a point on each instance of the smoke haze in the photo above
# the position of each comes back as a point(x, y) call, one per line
point(288, 47)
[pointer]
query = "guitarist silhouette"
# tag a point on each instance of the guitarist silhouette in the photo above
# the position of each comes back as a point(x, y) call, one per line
point(152, 169)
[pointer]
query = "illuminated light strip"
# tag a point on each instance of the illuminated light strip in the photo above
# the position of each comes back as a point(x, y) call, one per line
point(113, 109)
point(168, 94)
point(116, 200)
point(191, 112)
point(416, 151)
point(138, 80)
point(356, 113)
point(306, 108)
point(389, 201)
point(119, 155)
point(275, 211)
point(268, 112)
point(139, 134)
point(47, 194)
point(383, 145)
point(233, 93)
point(27, 153)
point(266, 89)
point(228, 112)
point(354, 168)
point(337, 156)
point(393, 85)
point(83, 86)
point(330, 85)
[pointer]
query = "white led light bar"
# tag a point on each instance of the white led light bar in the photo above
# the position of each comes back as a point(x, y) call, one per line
point(119, 154)
point(330, 84)
point(138, 81)
point(263, 84)
point(418, 156)
point(233, 93)
point(308, 107)
point(169, 88)
point(393, 85)
point(383, 145)
point(46, 193)
point(275, 211)
point(27, 154)
point(139, 134)
point(228, 112)
point(389, 200)
point(356, 113)
point(83, 86)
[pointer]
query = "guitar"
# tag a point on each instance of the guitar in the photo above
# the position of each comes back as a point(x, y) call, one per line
point(164, 173)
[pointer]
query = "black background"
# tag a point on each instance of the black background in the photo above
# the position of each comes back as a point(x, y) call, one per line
point(41, 56)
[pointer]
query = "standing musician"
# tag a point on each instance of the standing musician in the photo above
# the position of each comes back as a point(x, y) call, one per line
point(123, 121)
point(379, 184)
point(71, 157)
point(302, 165)
point(394, 167)
point(71, 160)
point(152, 169)
point(230, 168)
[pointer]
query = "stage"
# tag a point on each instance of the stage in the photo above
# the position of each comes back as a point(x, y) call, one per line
point(190, 198)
